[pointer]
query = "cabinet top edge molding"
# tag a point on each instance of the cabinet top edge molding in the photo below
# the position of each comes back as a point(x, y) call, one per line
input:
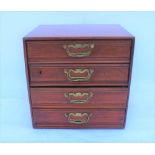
point(78, 31)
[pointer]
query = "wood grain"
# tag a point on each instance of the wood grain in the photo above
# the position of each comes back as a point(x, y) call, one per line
point(103, 75)
point(111, 60)
point(78, 31)
point(100, 117)
point(101, 98)
point(53, 51)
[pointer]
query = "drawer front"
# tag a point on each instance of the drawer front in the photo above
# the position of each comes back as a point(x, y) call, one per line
point(72, 75)
point(78, 118)
point(79, 97)
point(80, 51)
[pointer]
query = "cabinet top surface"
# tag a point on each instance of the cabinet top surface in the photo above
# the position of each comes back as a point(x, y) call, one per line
point(97, 31)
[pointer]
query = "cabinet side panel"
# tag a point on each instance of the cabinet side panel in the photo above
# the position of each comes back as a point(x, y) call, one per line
point(27, 75)
point(130, 72)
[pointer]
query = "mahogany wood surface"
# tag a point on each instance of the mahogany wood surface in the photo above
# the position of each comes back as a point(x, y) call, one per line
point(78, 31)
point(53, 51)
point(99, 117)
point(105, 93)
point(98, 97)
point(102, 75)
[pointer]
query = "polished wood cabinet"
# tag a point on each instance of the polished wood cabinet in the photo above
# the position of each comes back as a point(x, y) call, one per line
point(78, 76)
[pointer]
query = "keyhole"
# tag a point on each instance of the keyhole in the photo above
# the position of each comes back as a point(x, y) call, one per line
point(40, 72)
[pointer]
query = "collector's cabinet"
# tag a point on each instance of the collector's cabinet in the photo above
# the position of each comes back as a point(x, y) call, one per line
point(78, 76)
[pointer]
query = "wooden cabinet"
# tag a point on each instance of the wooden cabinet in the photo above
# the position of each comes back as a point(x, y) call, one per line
point(78, 76)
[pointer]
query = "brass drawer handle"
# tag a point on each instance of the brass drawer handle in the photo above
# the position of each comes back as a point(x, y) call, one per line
point(78, 118)
point(78, 98)
point(78, 50)
point(78, 74)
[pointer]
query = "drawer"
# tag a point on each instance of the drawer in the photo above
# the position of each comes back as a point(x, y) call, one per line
point(73, 75)
point(79, 97)
point(79, 118)
point(79, 51)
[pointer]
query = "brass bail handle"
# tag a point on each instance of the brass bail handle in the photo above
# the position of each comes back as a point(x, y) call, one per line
point(79, 74)
point(78, 118)
point(78, 97)
point(78, 50)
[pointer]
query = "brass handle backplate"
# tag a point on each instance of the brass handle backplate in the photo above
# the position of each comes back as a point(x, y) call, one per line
point(78, 118)
point(78, 50)
point(78, 98)
point(79, 74)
